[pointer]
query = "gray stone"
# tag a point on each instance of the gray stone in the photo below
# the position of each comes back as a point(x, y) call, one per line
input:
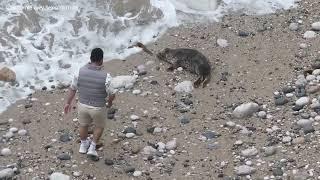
point(309, 34)
point(305, 115)
point(280, 100)
point(59, 176)
point(245, 110)
point(108, 162)
point(210, 135)
point(249, 152)
point(244, 170)
point(269, 151)
point(65, 137)
point(129, 169)
point(184, 119)
point(64, 156)
point(277, 171)
point(303, 101)
point(316, 26)
point(130, 130)
point(7, 173)
point(294, 26)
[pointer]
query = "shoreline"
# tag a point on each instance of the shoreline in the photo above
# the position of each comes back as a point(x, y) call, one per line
point(250, 68)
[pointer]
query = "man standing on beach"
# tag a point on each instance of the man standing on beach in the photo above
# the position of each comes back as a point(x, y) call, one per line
point(93, 85)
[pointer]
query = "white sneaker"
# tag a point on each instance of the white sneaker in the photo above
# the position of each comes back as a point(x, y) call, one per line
point(84, 147)
point(92, 151)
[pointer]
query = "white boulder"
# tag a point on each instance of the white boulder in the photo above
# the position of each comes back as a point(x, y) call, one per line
point(184, 87)
point(245, 110)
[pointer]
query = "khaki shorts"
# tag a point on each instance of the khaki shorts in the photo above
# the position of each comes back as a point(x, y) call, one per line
point(88, 114)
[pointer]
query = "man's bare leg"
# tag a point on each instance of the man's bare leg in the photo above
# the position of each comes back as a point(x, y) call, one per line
point(97, 133)
point(83, 132)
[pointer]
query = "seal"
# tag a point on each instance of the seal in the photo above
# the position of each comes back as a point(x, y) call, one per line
point(189, 59)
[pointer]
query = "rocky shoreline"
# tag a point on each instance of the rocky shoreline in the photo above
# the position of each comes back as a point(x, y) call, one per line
point(257, 119)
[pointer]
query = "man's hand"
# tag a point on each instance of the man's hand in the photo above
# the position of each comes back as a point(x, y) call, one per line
point(67, 108)
point(110, 100)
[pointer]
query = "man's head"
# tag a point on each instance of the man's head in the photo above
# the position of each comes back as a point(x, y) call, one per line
point(97, 56)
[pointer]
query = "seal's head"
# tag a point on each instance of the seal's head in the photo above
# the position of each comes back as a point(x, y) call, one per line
point(164, 55)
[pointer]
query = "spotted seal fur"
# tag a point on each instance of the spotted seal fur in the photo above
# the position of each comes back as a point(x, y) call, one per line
point(189, 59)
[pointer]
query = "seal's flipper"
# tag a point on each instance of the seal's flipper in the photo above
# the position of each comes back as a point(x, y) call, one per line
point(197, 83)
point(206, 80)
point(143, 47)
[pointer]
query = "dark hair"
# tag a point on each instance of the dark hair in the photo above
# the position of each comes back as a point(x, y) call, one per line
point(96, 55)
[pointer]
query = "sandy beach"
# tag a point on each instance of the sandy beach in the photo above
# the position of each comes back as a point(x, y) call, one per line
point(264, 55)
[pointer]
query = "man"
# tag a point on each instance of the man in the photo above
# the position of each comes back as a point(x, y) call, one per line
point(93, 85)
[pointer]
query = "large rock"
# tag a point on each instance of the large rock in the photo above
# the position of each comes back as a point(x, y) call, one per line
point(7, 74)
point(59, 176)
point(184, 87)
point(316, 26)
point(303, 101)
point(309, 35)
point(245, 110)
point(6, 152)
point(6, 173)
point(123, 81)
point(244, 170)
point(249, 152)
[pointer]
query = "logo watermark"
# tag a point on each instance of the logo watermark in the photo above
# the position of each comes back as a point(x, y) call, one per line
point(44, 8)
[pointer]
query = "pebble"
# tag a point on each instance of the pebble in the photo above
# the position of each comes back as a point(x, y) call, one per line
point(309, 35)
point(303, 101)
point(249, 152)
point(245, 110)
point(136, 91)
point(13, 129)
point(130, 130)
point(108, 162)
point(64, 156)
point(130, 135)
point(137, 173)
point(230, 124)
point(7, 173)
point(59, 176)
point(286, 139)
point(277, 171)
point(298, 140)
point(141, 70)
point(8, 135)
point(6, 152)
point(316, 72)
point(269, 151)
point(65, 137)
point(210, 135)
point(238, 142)
point(184, 119)
point(22, 132)
point(294, 26)
point(171, 145)
point(184, 87)
point(129, 169)
point(222, 43)
point(77, 173)
point(148, 150)
point(134, 117)
point(244, 170)
point(262, 114)
point(316, 26)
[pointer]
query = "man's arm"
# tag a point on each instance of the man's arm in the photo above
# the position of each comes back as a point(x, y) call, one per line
point(71, 95)
point(111, 92)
